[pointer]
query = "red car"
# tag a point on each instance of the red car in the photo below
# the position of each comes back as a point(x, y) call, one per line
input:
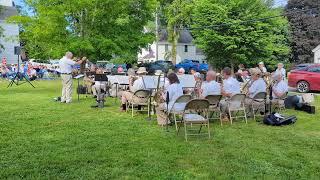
point(305, 79)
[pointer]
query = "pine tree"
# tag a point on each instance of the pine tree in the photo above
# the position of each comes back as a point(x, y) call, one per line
point(305, 28)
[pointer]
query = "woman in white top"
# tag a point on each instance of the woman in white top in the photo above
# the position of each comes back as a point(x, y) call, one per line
point(173, 91)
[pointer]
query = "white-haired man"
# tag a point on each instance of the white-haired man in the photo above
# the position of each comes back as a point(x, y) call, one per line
point(181, 71)
point(262, 68)
point(280, 88)
point(281, 70)
point(65, 65)
point(210, 86)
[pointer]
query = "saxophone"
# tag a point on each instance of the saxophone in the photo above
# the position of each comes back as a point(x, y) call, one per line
point(158, 98)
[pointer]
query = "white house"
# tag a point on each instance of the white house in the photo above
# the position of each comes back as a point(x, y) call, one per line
point(186, 49)
point(11, 32)
point(316, 52)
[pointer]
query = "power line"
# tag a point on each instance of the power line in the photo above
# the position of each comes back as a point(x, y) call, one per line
point(249, 21)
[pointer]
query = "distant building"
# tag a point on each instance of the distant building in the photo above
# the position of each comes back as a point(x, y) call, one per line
point(11, 31)
point(186, 49)
point(316, 52)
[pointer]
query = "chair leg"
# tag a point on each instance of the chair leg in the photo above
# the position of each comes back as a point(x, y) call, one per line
point(132, 109)
point(175, 121)
point(230, 115)
point(185, 131)
point(209, 129)
point(245, 116)
point(220, 114)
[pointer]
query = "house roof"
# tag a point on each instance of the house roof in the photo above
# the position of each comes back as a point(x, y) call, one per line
point(6, 11)
point(316, 49)
point(184, 38)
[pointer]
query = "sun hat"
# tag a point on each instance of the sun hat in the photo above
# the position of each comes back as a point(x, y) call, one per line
point(142, 70)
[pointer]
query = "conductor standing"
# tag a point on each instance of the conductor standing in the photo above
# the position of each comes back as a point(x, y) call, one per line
point(66, 64)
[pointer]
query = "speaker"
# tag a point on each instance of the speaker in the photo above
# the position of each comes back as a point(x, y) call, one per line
point(17, 50)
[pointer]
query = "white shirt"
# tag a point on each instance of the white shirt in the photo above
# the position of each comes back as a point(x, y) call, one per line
point(231, 85)
point(257, 86)
point(264, 69)
point(280, 87)
point(210, 88)
point(282, 71)
point(175, 91)
point(33, 72)
point(137, 85)
point(66, 65)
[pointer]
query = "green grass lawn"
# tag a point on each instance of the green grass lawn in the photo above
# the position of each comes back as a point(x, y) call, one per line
point(42, 139)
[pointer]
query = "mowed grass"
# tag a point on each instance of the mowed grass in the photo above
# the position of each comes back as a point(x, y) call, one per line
point(43, 139)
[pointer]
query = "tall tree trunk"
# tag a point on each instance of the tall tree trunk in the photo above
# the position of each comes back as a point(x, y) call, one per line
point(174, 45)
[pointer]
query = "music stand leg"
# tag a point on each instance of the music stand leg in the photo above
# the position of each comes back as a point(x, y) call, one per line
point(78, 89)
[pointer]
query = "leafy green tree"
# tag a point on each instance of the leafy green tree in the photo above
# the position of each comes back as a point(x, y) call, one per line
point(98, 29)
point(305, 28)
point(1, 32)
point(224, 30)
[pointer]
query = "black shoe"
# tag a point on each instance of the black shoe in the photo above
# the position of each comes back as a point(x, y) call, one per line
point(94, 97)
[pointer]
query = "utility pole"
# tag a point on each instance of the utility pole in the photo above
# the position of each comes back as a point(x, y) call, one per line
point(157, 35)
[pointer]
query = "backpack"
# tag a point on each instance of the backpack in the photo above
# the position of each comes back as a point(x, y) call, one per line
point(275, 119)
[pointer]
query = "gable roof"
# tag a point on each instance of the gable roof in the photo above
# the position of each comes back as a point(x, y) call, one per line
point(7, 11)
point(316, 49)
point(184, 38)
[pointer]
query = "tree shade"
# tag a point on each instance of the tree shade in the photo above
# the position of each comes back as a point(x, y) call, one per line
point(98, 29)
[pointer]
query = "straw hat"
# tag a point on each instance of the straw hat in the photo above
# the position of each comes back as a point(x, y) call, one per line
point(142, 70)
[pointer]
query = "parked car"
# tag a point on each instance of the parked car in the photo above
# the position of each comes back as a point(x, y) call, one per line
point(164, 66)
point(305, 79)
point(301, 66)
point(187, 65)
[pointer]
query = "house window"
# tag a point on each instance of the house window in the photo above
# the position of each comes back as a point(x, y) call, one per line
point(186, 48)
point(166, 47)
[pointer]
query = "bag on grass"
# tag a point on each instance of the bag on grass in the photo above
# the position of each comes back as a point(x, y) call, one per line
point(276, 119)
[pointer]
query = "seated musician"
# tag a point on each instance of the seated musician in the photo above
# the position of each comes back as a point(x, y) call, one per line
point(89, 81)
point(181, 71)
point(210, 86)
point(196, 91)
point(257, 85)
point(137, 85)
point(99, 88)
point(174, 91)
point(279, 89)
point(229, 88)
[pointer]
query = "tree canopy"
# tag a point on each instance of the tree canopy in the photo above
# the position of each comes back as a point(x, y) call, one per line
point(98, 29)
point(229, 35)
point(1, 32)
point(304, 19)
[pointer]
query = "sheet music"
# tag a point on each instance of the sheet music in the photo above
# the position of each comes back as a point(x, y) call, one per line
point(187, 81)
point(123, 80)
point(112, 79)
point(79, 76)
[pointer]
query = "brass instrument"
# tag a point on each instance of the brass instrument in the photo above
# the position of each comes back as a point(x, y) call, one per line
point(158, 96)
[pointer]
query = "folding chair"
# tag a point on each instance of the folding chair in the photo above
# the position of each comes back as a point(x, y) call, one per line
point(176, 110)
point(196, 113)
point(214, 101)
point(258, 101)
point(237, 104)
point(278, 104)
point(140, 98)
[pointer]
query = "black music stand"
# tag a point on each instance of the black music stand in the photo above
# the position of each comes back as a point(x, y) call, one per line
point(78, 78)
